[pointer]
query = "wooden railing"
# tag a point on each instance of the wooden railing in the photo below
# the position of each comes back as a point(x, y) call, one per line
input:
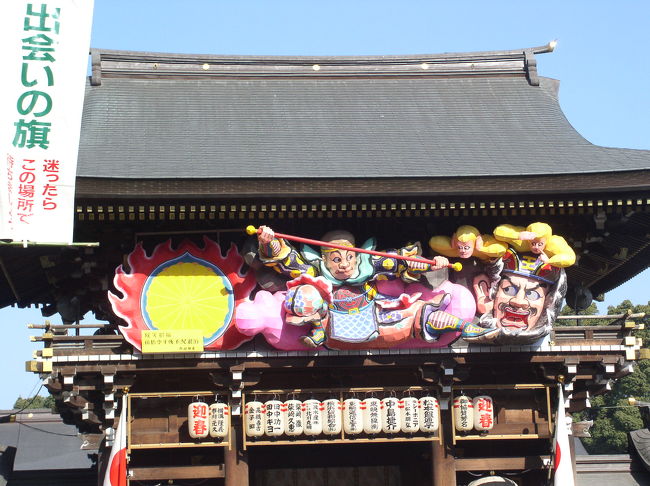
point(68, 339)
point(616, 329)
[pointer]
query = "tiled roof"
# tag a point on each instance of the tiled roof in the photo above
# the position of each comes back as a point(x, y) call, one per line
point(149, 116)
point(43, 442)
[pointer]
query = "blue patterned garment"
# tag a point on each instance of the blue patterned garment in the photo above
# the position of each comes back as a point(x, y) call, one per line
point(354, 327)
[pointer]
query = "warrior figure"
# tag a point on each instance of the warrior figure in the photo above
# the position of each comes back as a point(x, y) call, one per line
point(522, 305)
point(338, 288)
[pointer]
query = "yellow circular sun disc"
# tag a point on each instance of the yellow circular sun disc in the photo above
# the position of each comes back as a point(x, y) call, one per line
point(188, 295)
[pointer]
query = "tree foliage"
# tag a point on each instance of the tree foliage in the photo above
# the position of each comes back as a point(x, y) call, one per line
point(612, 414)
point(35, 402)
point(592, 310)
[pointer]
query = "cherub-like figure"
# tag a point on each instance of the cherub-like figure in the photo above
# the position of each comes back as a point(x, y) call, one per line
point(537, 238)
point(467, 242)
point(472, 249)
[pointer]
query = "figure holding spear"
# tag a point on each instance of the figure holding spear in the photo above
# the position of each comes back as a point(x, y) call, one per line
point(338, 286)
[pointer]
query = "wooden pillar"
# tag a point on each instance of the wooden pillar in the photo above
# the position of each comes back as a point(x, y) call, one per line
point(236, 459)
point(102, 462)
point(444, 469)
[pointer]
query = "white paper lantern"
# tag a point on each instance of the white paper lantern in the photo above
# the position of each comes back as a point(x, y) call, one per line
point(352, 416)
point(391, 417)
point(371, 415)
point(197, 420)
point(410, 415)
point(463, 413)
point(429, 411)
point(313, 417)
point(332, 417)
point(219, 420)
point(293, 424)
point(483, 413)
point(255, 418)
point(274, 425)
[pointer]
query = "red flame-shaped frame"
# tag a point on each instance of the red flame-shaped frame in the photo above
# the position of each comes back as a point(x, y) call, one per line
point(143, 268)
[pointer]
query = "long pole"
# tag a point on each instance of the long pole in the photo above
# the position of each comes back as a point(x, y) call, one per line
point(252, 230)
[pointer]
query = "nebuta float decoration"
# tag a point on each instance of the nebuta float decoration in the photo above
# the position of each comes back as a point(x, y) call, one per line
point(347, 298)
point(471, 248)
point(537, 238)
point(522, 305)
point(337, 295)
point(188, 288)
point(517, 277)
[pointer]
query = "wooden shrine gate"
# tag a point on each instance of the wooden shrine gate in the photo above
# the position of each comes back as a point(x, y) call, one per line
point(88, 374)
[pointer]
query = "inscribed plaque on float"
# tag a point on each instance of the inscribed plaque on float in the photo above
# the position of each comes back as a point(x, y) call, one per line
point(173, 341)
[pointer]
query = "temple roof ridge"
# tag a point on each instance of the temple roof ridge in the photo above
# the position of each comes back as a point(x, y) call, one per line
point(116, 63)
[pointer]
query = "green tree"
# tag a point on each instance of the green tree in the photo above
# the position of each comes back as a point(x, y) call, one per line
point(35, 402)
point(612, 414)
point(592, 310)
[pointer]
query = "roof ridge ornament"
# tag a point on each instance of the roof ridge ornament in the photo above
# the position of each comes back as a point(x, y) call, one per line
point(530, 65)
point(96, 64)
point(530, 62)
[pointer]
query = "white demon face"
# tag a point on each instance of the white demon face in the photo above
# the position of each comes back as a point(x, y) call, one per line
point(519, 302)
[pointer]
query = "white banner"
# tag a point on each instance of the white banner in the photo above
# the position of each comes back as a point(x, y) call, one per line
point(44, 59)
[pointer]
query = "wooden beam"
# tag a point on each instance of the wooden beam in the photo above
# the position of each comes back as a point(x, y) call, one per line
point(443, 463)
point(158, 365)
point(500, 463)
point(236, 459)
point(10, 281)
point(176, 472)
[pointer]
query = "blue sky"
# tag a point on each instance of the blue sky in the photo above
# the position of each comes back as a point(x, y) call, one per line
point(601, 60)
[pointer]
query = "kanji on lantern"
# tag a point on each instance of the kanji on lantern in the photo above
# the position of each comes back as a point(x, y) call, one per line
point(197, 420)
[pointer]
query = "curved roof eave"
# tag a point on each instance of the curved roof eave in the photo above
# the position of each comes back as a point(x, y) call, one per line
point(477, 122)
